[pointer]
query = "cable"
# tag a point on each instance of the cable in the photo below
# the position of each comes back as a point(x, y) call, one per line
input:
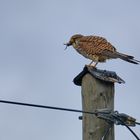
point(75, 110)
point(137, 123)
point(107, 132)
point(116, 117)
point(47, 107)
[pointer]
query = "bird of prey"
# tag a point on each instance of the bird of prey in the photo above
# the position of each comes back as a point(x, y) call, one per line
point(97, 49)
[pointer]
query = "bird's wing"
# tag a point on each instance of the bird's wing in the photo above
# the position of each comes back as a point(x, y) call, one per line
point(96, 45)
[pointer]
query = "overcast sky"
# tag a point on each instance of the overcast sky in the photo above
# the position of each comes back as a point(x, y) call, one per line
point(34, 67)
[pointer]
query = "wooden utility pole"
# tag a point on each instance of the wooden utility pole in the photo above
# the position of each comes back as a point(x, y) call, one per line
point(96, 94)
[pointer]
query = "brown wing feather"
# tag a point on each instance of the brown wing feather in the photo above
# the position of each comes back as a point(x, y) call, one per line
point(95, 45)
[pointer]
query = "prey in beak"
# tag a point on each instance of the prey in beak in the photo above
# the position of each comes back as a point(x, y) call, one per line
point(67, 45)
point(73, 40)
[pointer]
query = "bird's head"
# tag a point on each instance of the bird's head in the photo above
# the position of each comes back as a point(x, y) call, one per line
point(73, 39)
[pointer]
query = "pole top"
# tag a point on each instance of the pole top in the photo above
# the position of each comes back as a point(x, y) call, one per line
point(104, 75)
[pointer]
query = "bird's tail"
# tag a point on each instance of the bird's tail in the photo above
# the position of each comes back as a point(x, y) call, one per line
point(127, 58)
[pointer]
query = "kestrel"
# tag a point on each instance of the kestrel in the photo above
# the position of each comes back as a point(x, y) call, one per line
point(97, 49)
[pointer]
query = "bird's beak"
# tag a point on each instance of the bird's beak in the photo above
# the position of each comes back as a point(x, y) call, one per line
point(67, 45)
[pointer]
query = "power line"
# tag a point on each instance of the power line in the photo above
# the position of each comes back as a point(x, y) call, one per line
point(127, 127)
point(137, 123)
point(46, 107)
point(107, 115)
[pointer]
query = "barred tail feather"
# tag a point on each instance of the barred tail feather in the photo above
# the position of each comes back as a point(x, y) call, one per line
point(127, 58)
